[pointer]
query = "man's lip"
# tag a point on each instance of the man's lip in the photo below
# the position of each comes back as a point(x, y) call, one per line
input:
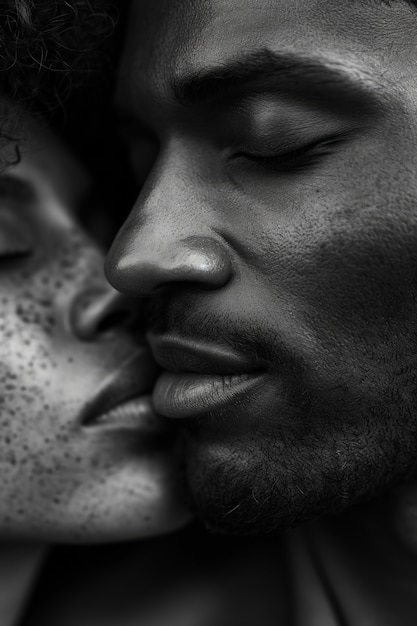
point(133, 379)
point(180, 355)
point(185, 396)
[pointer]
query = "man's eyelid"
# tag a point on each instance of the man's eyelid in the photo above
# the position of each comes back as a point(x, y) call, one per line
point(297, 102)
point(300, 147)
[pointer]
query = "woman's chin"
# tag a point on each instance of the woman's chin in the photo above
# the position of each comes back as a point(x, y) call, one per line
point(118, 529)
point(134, 504)
point(111, 502)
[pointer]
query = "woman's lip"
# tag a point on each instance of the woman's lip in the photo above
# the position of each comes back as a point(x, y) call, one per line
point(184, 396)
point(135, 414)
point(178, 354)
point(134, 378)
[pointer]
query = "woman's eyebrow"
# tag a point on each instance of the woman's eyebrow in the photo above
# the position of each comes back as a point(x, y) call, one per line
point(321, 80)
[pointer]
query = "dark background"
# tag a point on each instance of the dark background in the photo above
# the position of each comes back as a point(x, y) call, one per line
point(88, 126)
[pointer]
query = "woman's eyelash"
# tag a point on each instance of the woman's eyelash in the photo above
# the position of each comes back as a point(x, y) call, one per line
point(15, 188)
point(16, 241)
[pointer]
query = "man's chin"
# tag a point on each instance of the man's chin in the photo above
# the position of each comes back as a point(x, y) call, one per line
point(236, 497)
point(235, 490)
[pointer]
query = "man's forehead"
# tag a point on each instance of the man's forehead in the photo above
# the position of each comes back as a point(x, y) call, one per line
point(170, 39)
point(159, 36)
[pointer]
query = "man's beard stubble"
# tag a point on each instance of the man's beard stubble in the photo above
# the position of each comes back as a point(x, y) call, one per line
point(332, 449)
point(263, 486)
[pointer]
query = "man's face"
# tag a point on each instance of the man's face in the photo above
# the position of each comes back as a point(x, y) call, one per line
point(276, 238)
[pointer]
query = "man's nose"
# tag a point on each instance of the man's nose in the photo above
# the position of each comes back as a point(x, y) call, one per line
point(99, 312)
point(172, 238)
point(146, 262)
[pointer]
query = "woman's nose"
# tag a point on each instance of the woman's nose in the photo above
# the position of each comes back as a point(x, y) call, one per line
point(154, 266)
point(100, 311)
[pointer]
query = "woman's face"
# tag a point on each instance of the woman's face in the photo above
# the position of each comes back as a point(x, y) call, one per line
point(73, 467)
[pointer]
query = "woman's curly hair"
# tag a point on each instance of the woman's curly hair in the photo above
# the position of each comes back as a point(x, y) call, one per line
point(47, 46)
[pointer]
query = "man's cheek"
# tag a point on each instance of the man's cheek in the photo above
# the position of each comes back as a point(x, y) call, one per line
point(343, 298)
point(362, 276)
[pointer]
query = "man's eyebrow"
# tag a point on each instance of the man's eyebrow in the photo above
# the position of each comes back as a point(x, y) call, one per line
point(285, 73)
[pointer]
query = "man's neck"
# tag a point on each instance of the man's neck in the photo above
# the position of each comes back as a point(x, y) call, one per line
point(19, 565)
point(362, 568)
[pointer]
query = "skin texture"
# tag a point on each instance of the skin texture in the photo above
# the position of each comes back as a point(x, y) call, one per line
point(303, 262)
point(63, 331)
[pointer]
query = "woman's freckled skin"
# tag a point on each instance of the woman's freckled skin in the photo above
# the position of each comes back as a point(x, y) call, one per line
point(59, 480)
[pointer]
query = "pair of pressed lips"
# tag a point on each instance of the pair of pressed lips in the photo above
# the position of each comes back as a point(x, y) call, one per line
point(123, 400)
point(200, 378)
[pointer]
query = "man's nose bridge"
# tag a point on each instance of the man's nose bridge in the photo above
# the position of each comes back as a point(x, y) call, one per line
point(170, 213)
point(169, 238)
point(174, 203)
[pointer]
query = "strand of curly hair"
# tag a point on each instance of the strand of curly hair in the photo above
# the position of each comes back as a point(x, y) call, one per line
point(48, 46)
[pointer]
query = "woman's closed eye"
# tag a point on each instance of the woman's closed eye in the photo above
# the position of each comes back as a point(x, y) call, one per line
point(16, 240)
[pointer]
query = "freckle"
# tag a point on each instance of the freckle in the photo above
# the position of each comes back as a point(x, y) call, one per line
point(45, 302)
point(67, 263)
